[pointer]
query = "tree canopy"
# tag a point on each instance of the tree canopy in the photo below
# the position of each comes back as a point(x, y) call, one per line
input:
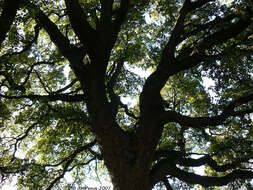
point(73, 101)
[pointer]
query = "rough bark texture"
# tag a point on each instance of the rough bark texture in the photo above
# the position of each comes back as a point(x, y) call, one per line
point(127, 169)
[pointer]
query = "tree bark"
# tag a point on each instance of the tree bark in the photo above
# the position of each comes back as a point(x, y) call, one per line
point(10, 8)
point(127, 168)
point(130, 177)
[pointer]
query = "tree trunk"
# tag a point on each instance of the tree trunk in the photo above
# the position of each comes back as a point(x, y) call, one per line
point(132, 179)
point(128, 163)
point(126, 176)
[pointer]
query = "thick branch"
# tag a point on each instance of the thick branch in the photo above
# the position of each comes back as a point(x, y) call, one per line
point(121, 14)
point(72, 53)
point(10, 8)
point(207, 160)
point(56, 36)
point(106, 14)
point(127, 111)
point(239, 101)
point(164, 169)
point(86, 34)
point(201, 122)
point(180, 158)
point(150, 98)
point(191, 56)
point(178, 29)
point(196, 28)
point(115, 99)
point(113, 80)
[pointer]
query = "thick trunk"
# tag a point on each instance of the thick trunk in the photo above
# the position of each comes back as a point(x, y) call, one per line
point(127, 155)
point(126, 163)
point(126, 176)
point(130, 179)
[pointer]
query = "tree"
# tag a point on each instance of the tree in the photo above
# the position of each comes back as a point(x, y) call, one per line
point(56, 120)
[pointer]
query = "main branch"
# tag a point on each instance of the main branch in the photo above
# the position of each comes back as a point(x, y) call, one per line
point(165, 169)
point(10, 8)
point(202, 122)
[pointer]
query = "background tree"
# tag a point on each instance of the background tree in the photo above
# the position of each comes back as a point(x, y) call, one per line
point(66, 67)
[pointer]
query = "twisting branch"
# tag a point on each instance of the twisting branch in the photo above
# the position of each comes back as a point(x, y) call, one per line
point(167, 159)
point(207, 160)
point(191, 56)
point(70, 160)
point(163, 169)
point(31, 70)
point(196, 28)
point(150, 99)
point(202, 122)
point(178, 28)
point(77, 151)
point(67, 161)
point(181, 158)
point(20, 138)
